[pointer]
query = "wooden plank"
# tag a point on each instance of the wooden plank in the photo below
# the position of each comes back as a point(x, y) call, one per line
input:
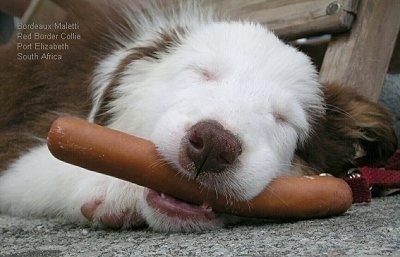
point(288, 18)
point(360, 59)
point(293, 18)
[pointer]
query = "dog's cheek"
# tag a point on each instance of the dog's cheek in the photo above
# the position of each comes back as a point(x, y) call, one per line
point(260, 163)
point(282, 140)
point(167, 136)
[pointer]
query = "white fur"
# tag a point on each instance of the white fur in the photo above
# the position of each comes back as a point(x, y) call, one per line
point(237, 73)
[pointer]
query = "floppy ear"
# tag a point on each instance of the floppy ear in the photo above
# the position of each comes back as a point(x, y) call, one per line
point(354, 132)
point(377, 136)
point(370, 123)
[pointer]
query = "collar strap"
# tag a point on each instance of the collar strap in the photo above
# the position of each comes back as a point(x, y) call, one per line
point(363, 179)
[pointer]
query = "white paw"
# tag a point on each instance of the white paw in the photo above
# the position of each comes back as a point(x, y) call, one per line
point(116, 208)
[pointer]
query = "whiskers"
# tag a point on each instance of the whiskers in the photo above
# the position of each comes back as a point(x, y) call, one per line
point(277, 196)
point(336, 109)
point(297, 167)
point(160, 163)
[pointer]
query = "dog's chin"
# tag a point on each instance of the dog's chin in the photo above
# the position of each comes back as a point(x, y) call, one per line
point(166, 213)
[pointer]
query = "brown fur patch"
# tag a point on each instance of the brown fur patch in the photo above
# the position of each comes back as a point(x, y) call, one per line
point(354, 132)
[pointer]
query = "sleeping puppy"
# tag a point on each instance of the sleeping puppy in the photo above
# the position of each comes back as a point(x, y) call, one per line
point(225, 102)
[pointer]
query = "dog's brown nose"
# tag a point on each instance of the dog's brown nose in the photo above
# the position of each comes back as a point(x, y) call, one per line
point(211, 147)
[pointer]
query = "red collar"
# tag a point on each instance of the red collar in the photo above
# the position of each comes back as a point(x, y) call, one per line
point(363, 180)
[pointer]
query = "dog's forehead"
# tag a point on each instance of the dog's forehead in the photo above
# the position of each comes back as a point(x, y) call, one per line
point(242, 48)
point(235, 38)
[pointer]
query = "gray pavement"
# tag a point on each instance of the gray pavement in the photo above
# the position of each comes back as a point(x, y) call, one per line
point(365, 230)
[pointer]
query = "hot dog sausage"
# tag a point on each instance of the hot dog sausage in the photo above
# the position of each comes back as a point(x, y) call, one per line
point(136, 160)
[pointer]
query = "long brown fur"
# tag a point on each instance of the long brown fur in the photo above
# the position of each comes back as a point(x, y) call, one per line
point(354, 132)
point(32, 93)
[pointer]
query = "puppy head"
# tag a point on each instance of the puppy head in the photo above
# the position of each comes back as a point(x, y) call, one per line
point(224, 102)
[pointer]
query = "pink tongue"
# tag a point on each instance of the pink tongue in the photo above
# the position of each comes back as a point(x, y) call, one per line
point(173, 207)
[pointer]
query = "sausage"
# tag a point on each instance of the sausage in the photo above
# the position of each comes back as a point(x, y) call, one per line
point(136, 160)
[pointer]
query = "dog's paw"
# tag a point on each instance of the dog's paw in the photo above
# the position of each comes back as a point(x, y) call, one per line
point(97, 212)
point(116, 209)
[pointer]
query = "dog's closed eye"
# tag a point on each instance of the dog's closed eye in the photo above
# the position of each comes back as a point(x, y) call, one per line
point(205, 73)
point(279, 117)
point(208, 75)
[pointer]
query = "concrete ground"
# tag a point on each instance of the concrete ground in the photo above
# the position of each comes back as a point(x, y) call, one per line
point(365, 230)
